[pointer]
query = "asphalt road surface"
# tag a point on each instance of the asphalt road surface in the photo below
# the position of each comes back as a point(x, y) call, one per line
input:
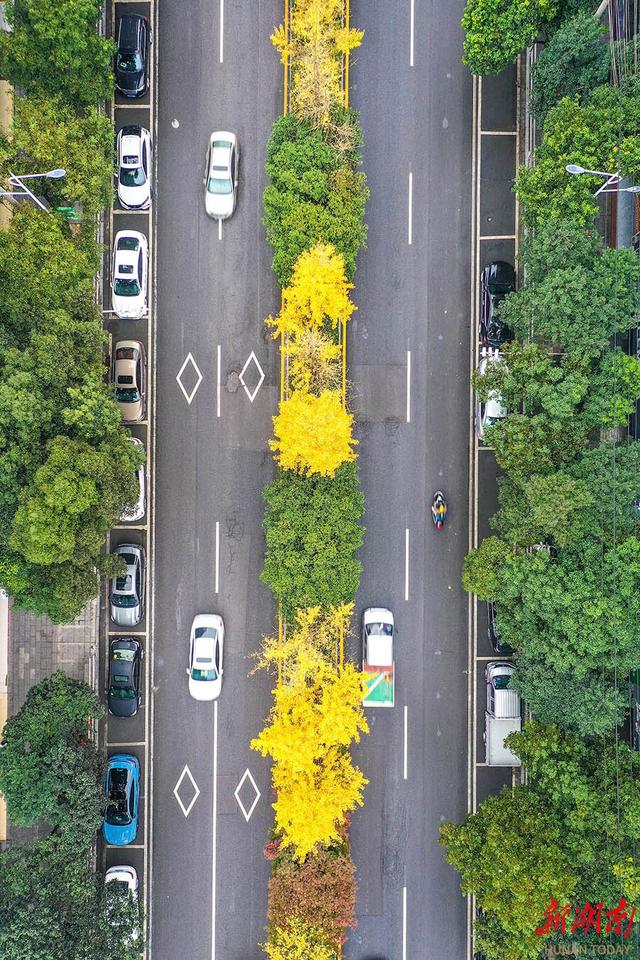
point(409, 361)
point(409, 351)
point(209, 877)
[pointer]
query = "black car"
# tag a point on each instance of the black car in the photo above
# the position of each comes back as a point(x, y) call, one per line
point(497, 280)
point(123, 692)
point(132, 55)
point(502, 649)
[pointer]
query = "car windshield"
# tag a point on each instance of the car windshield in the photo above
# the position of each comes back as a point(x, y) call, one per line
point(129, 62)
point(219, 186)
point(379, 630)
point(127, 395)
point(123, 655)
point(126, 288)
point(132, 176)
point(208, 674)
point(123, 599)
point(502, 682)
point(121, 693)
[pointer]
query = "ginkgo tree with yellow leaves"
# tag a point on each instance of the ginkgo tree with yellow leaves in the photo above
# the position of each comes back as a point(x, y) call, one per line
point(315, 46)
point(313, 434)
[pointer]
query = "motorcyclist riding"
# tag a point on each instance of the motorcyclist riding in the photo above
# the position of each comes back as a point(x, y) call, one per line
point(439, 509)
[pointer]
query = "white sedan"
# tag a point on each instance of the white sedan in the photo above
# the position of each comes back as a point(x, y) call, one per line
point(134, 168)
point(129, 274)
point(221, 175)
point(126, 878)
point(139, 509)
point(205, 656)
point(492, 410)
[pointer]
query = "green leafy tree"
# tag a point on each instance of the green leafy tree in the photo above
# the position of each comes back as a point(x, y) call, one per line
point(55, 48)
point(313, 534)
point(510, 855)
point(483, 568)
point(577, 610)
point(48, 765)
point(614, 389)
point(591, 705)
point(573, 61)
point(540, 509)
point(58, 591)
point(53, 907)
point(48, 133)
point(314, 195)
point(41, 270)
point(497, 30)
point(603, 133)
point(576, 305)
point(612, 472)
point(589, 787)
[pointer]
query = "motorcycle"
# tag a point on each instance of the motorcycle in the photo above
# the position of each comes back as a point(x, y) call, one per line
point(439, 509)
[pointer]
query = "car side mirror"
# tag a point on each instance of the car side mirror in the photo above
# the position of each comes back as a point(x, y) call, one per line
point(186, 670)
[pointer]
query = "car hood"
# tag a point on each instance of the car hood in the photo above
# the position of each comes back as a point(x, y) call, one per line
point(119, 836)
point(205, 689)
point(219, 205)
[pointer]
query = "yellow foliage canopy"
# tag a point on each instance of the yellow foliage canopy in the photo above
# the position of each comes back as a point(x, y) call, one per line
point(314, 49)
point(318, 292)
point(314, 362)
point(297, 941)
point(309, 646)
point(313, 434)
point(311, 726)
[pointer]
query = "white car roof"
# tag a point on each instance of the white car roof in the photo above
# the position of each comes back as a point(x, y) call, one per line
point(131, 150)
point(380, 651)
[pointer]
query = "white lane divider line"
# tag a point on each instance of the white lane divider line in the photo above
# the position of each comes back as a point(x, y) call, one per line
point(408, 386)
point(214, 830)
point(218, 382)
point(219, 229)
point(221, 31)
point(217, 556)
point(406, 563)
point(410, 228)
point(406, 740)
point(411, 33)
point(404, 923)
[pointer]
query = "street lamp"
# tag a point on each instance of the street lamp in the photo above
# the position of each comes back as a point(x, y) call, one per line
point(16, 181)
point(610, 178)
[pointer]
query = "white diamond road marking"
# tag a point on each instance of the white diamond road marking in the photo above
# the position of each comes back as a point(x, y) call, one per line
point(251, 359)
point(236, 794)
point(176, 790)
point(189, 360)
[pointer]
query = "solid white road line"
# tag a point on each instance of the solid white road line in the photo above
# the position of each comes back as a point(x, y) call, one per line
point(408, 386)
point(217, 556)
point(412, 33)
point(218, 384)
point(498, 133)
point(410, 238)
point(406, 740)
point(502, 236)
point(127, 743)
point(219, 229)
point(214, 824)
point(221, 31)
point(404, 923)
point(406, 563)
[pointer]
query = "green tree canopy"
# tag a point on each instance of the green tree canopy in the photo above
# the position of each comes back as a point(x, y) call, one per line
point(577, 610)
point(600, 134)
point(574, 61)
point(497, 30)
point(510, 855)
point(55, 48)
point(48, 765)
point(313, 534)
point(47, 133)
point(315, 195)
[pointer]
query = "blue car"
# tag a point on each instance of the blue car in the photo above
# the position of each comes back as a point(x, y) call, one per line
point(122, 795)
